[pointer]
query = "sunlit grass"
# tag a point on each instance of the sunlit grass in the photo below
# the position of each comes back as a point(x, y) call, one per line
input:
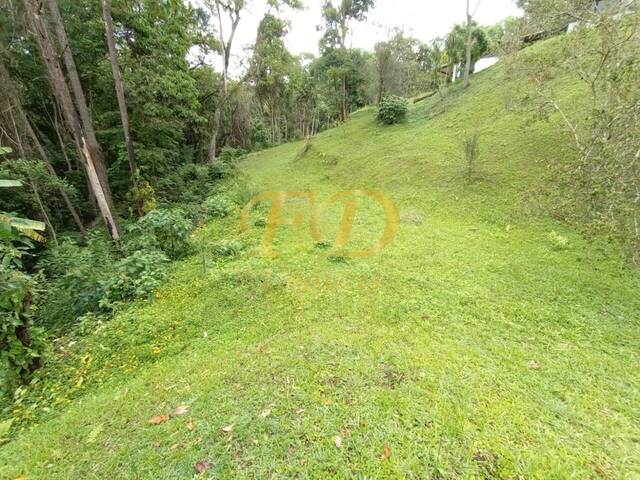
point(474, 346)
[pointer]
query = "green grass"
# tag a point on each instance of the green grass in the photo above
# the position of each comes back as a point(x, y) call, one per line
point(474, 346)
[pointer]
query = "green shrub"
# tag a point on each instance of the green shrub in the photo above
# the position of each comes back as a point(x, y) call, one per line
point(225, 164)
point(135, 276)
point(75, 274)
point(392, 110)
point(218, 206)
point(471, 148)
point(167, 230)
point(21, 344)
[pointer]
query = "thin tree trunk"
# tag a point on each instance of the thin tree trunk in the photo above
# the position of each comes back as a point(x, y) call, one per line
point(4, 74)
point(226, 58)
point(63, 97)
point(81, 103)
point(467, 65)
point(18, 140)
point(117, 79)
point(56, 127)
point(43, 210)
point(51, 170)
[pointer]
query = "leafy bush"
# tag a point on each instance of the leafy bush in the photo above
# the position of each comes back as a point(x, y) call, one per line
point(225, 164)
point(392, 110)
point(75, 274)
point(142, 196)
point(218, 206)
point(167, 230)
point(135, 276)
point(190, 182)
point(21, 345)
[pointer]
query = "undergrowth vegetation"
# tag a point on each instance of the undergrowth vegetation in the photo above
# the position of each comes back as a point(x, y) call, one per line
point(392, 109)
point(488, 340)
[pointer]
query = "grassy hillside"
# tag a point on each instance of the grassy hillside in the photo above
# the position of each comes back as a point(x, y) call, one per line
point(477, 345)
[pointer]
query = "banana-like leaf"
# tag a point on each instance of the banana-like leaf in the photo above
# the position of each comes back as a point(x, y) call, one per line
point(21, 223)
point(5, 150)
point(9, 183)
point(27, 227)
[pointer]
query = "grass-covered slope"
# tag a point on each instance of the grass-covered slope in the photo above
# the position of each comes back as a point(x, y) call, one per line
point(476, 345)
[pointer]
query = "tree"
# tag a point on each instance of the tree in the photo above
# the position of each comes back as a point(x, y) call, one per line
point(337, 21)
point(456, 47)
point(602, 179)
point(231, 10)
point(397, 65)
point(95, 168)
point(272, 67)
point(89, 139)
point(117, 80)
point(469, 44)
point(13, 97)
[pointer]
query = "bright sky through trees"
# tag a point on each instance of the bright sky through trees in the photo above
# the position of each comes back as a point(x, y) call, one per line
point(423, 19)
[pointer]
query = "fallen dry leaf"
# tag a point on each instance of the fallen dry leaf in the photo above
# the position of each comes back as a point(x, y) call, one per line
point(181, 410)
point(227, 429)
point(386, 453)
point(328, 402)
point(534, 365)
point(299, 411)
point(344, 432)
point(190, 426)
point(265, 413)
point(158, 419)
point(202, 466)
point(338, 441)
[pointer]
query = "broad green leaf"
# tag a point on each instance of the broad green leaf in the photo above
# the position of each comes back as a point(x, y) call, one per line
point(25, 223)
point(4, 183)
point(5, 150)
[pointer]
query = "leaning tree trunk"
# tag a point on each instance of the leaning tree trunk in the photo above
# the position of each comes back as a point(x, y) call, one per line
point(467, 64)
point(4, 75)
point(117, 80)
point(63, 98)
point(81, 103)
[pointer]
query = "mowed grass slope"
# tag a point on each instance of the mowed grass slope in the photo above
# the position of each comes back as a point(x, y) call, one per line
point(474, 346)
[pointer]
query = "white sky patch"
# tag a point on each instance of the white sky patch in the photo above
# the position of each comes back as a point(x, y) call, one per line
point(422, 19)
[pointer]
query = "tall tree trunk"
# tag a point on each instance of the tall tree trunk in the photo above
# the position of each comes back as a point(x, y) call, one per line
point(117, 79)
point(81, 103)
point(4, 75)
point(63, 98)
point(234, 15)
point(467, 64)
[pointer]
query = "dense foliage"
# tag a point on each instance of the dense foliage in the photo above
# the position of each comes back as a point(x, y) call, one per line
point(392, 110)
